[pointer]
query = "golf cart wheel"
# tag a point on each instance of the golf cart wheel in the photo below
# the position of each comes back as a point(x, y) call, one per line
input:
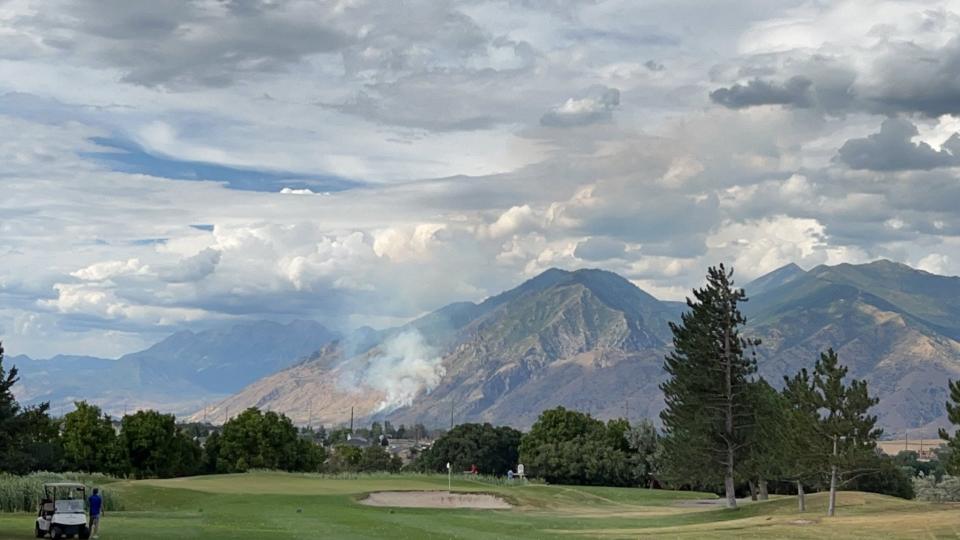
point(84, 533)
point(37, 532)
point(56, 533)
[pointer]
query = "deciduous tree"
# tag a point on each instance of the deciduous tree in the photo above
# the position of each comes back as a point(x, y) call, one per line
point(90, 442)
point(494, 450)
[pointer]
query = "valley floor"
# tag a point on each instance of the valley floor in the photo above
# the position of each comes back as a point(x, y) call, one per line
point(281, 506)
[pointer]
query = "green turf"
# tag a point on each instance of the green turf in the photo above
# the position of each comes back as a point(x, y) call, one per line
point(277, 505)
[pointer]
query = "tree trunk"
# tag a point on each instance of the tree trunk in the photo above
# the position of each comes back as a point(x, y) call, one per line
point(832, 506)
point(801, 497)
point(753, 490)
point(764, 494)
point(730, 489)
point(728, 481)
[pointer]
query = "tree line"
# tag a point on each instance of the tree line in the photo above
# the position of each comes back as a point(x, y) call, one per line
point(723, 425)
point(724, 428)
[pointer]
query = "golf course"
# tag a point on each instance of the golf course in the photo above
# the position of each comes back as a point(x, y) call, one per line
point(281, 505)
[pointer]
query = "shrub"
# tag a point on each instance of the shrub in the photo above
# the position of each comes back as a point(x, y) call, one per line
point(928, 488)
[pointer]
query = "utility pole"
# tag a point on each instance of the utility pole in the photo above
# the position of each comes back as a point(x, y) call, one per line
point(351, 420)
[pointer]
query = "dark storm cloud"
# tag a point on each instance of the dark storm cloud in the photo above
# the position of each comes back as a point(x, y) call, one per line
point(188, 44)
point(891, 149)
point(901, 78)
point(795, 92)
point(917, 79)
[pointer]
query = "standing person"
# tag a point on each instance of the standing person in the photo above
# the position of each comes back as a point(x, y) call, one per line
point(96, 510)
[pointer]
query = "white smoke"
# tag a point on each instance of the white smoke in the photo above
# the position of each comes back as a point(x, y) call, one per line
point(404, 367)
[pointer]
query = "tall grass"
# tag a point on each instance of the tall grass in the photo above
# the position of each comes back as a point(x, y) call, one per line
point(23, 493)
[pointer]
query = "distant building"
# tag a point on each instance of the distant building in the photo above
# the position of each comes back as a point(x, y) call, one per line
point(926, 449)
point(356, 441)
point(408, 449)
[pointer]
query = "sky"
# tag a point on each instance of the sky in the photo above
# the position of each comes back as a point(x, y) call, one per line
point(187, 164)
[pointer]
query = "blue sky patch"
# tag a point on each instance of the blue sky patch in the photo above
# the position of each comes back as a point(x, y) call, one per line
point(126, 156)
point(149, 241)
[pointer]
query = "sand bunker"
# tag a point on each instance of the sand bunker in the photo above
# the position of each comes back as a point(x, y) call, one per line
point(435, 499)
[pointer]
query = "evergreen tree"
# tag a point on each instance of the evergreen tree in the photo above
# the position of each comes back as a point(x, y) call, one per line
point(846, 424)
point(802, 440)
point(953, 442)
point(708, 411)
point(764, 455)
point(29, 438)
point(9, 411)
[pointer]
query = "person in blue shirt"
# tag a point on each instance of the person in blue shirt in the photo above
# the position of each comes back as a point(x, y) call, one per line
point(96, 510)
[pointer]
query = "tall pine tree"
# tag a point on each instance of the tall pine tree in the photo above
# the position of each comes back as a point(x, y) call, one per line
point(29, 438)
point(9, 411)
point(764, 455)
point(846, 433)
point(953, 442)
point(708, 412)
point(802, 440)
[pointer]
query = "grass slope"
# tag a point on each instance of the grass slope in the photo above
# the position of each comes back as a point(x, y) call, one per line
point(265, 505)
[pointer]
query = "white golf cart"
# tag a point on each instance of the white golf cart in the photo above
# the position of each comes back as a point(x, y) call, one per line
point(63, 511)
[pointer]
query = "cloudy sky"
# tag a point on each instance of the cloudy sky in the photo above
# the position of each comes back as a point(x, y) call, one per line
point(169, 165)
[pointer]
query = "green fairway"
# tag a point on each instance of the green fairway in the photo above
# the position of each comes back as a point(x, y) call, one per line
point(277, 505)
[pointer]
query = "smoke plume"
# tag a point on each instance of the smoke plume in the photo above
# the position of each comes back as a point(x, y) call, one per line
point(401, 368)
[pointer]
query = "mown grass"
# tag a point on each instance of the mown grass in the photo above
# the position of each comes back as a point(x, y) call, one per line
point(276, 505)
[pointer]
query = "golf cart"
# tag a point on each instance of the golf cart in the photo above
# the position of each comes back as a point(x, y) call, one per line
point(63, 511)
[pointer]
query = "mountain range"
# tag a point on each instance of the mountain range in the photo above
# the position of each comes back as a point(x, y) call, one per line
point(177, 374)
point(593, 341)
point(586, 339)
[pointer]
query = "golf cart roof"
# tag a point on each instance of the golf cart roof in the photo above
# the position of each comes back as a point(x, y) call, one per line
point(64, 485)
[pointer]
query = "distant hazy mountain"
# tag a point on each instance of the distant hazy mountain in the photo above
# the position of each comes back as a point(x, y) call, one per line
point(591, 340)
point(177, 374)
